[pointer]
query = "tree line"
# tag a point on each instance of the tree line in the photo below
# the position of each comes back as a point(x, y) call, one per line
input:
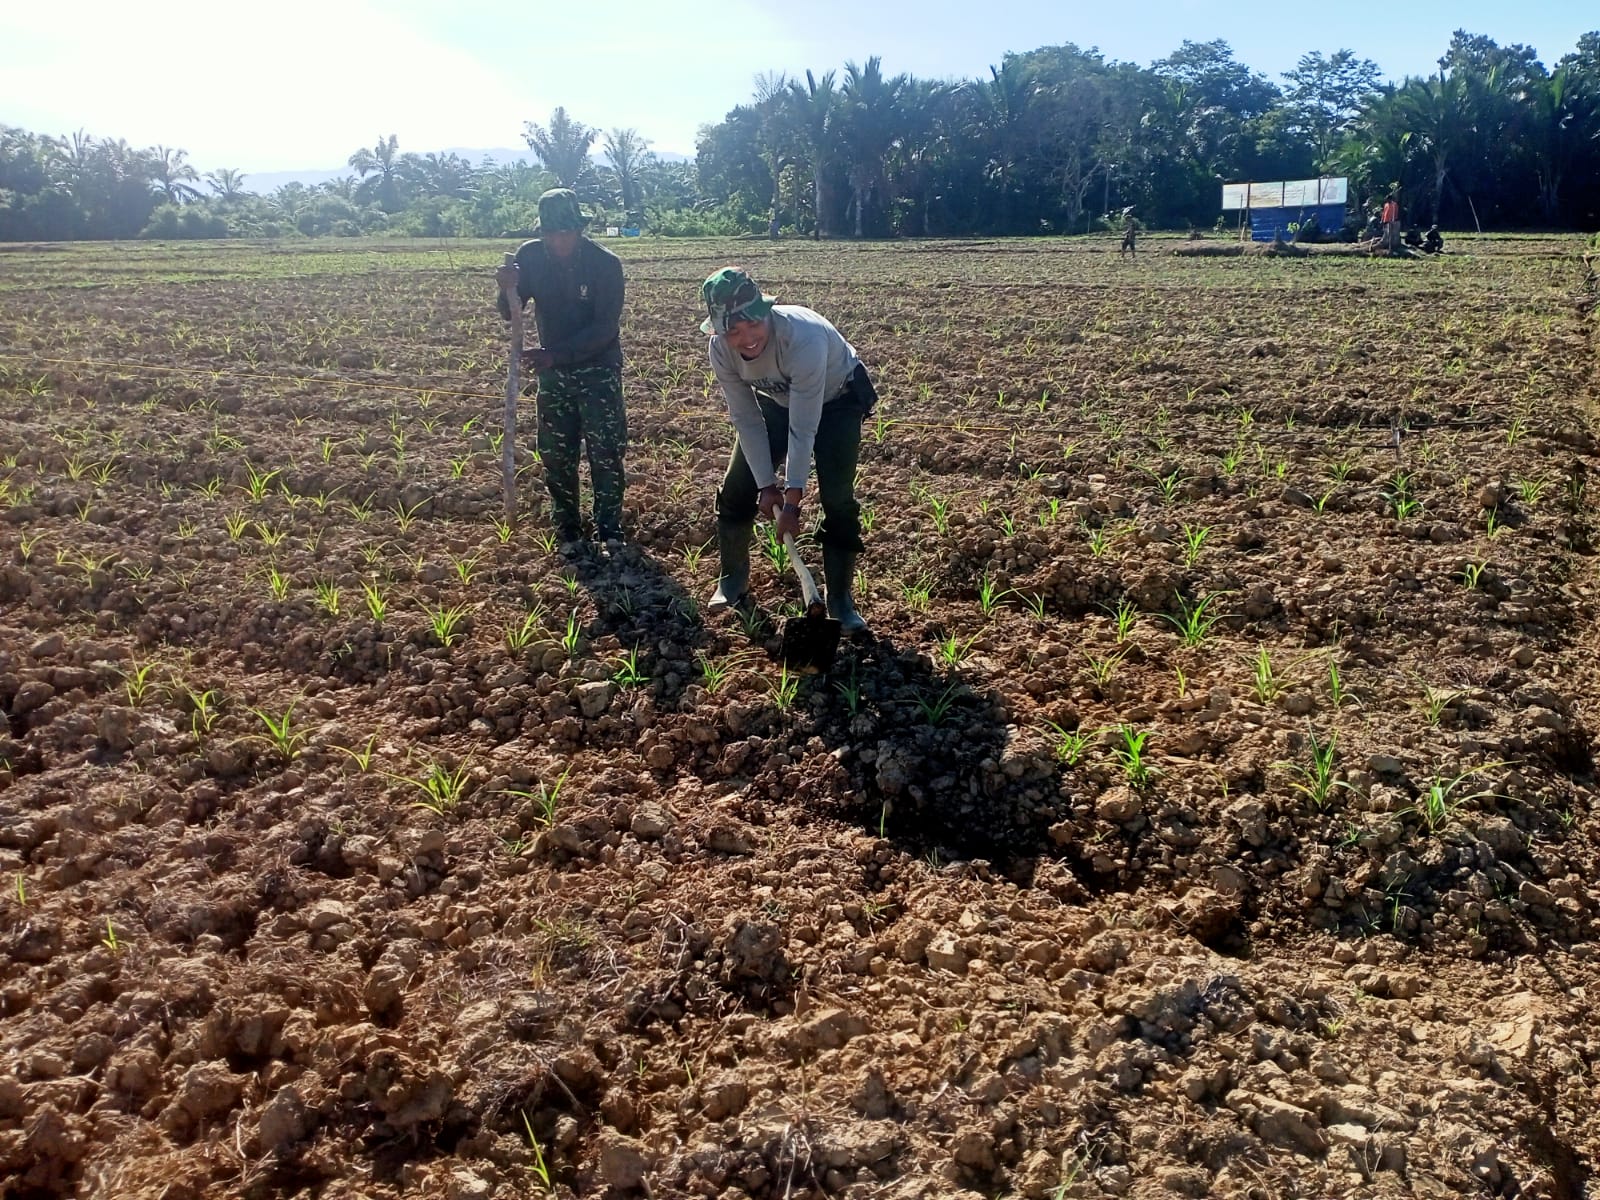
point(1054, 140)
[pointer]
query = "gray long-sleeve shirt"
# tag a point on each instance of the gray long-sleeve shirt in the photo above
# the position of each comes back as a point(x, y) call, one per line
point(577, 302)
point(805, 364)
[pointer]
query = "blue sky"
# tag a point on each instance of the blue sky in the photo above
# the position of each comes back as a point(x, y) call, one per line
point(303, 83)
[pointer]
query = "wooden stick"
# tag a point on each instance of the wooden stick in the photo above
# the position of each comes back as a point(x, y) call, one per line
point(508, 439)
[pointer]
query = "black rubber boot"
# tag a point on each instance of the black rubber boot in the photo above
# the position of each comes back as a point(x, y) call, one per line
point(839, 571)
point(733, 553)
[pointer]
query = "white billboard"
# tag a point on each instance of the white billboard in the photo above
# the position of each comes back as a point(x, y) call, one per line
point(1292, 193)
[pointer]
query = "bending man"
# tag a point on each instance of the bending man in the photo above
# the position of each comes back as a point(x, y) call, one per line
point(795, 390)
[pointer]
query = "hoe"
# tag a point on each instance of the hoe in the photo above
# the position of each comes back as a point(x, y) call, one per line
point(809, 641)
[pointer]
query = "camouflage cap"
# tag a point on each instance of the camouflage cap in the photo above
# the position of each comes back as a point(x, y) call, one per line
point(732, 296)
point(559, 210)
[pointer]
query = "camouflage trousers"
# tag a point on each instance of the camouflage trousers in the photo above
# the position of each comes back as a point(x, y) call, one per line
point(582, 406)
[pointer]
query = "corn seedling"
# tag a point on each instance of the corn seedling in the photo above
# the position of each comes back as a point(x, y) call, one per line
point(1195, 621)
point(445, 623)
point(773, 548)
point(270, 536)
point(573, 635)
point(752, 621)
point(1194, 537)
point(327, 597)
point(277, 583)
point(442, 790)
point(850, 692)
point(1338, 694)
point(136, 682)
point(109, 941)
point(405, 517)
point(1435, 701)
point(1070, 743)
point(281, 733)
point(988, 595)
point(1318, 780)
point(1034, 602)
point(1472, 574)
point(630, 670)
point(362, 757)
point(540, 1169)
point(519, 636)
point(466, 569)
point(784, 689)
point(717, 673)
point(377, 606)
point(203, 710)
point(953, 651)
point(1439, 800)
point(1124, 617)
point(935, 708)
point(257, 482)
point(692, 555)
point(1102, 669)
point(1131, 757)
point(1265, 682)
point(236, 524)
point(1101, 539)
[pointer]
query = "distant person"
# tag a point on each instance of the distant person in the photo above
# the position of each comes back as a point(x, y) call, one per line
point(576, 289)
point(1129, 236)
point(796, 392)
point(1414, 238)
point(1391, 223)
point(1433, 243)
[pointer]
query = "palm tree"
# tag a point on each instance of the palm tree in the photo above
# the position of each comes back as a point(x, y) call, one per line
point(171, 173)
point(383, 163)
point(870, 128)
point(563, 150)
point(927, 108)
point(226, 183)
point(627, 152)
point(1440, 113)
point(435, 174)
point(817, 112)
point(1000, 109)
point(1564, 117)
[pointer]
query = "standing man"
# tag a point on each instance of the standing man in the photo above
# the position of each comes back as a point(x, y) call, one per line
point(795, 390)
point(576, 289)
point(1391, 223)
point(1130, 235)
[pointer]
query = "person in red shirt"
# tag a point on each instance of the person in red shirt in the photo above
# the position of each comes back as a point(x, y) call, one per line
point(1391, 223)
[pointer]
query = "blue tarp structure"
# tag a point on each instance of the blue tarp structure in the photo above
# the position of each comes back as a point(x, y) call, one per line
point(1267, 223)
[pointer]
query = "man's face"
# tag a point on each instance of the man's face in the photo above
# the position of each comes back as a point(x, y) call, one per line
point(749, 338)
point(563, 243)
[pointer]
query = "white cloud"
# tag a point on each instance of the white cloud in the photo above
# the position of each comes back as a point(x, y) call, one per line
point(294, 84)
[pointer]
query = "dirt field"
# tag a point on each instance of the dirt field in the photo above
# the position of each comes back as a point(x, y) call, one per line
point(1212, 814)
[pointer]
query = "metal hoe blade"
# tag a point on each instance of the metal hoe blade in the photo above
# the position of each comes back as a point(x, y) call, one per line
point(809, 642)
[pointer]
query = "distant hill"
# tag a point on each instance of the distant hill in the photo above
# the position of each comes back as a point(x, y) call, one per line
point(269, 181)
